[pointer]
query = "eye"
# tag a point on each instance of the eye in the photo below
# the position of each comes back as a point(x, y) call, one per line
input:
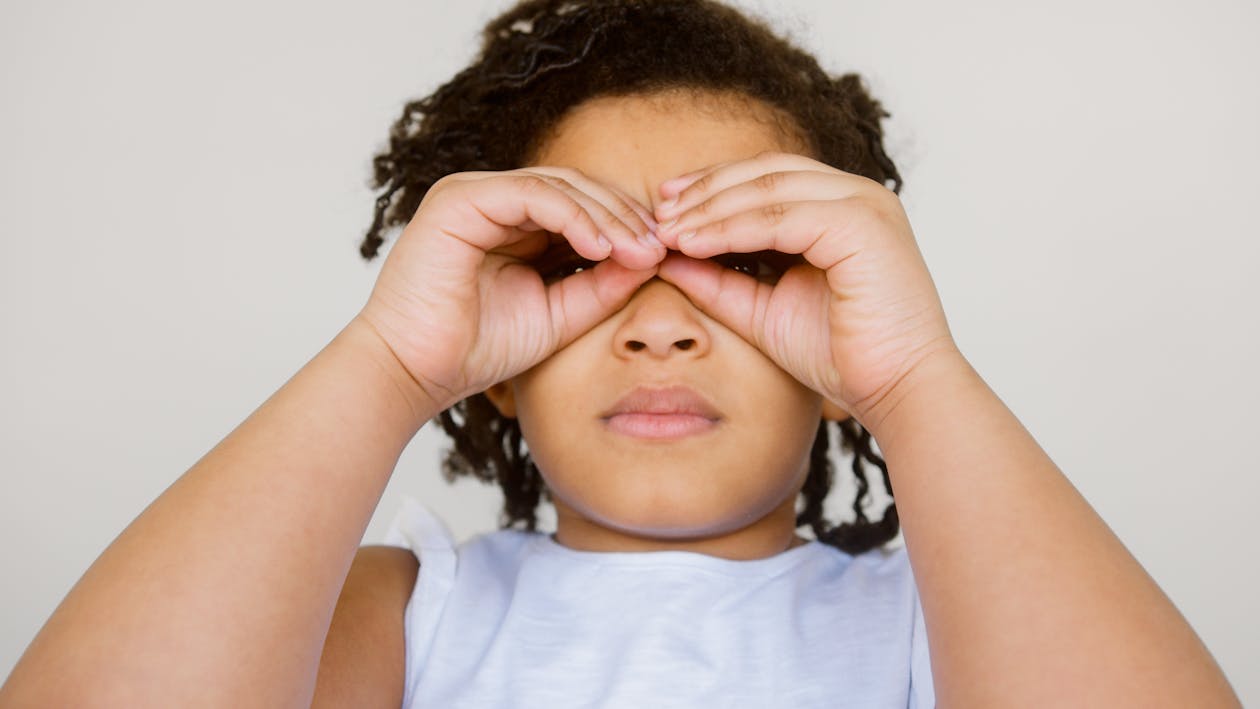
point(765, 266)
point(560, 261)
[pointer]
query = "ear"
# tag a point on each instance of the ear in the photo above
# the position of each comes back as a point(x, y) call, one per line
point(503, 396)
point(834, 412)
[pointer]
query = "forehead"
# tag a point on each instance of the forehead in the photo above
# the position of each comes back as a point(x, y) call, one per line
point(636, 142)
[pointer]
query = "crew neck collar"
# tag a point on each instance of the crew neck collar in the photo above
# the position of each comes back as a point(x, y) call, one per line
point(768, 566)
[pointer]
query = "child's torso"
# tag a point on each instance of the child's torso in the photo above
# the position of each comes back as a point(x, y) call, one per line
point(515, 619)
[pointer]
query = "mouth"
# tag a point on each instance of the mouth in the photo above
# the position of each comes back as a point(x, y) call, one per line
point(659, 426)
point(661, 414)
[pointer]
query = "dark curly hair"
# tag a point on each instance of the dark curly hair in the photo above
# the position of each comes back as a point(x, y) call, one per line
point(539, 60)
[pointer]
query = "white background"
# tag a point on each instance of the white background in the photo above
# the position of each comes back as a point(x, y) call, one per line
point(183, 189)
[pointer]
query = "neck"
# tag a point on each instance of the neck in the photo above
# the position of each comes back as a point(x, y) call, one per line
point(769, 536)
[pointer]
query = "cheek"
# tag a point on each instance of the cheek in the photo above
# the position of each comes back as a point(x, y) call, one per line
point(554, 409)
point(785, 416)
point(759, 458)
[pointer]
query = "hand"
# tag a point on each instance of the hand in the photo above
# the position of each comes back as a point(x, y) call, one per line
point(851, 320)
point(459, 305)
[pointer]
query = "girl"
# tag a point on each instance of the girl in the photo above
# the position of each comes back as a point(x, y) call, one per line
point(659, 247)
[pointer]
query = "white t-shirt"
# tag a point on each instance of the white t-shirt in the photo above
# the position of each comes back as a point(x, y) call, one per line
point(515, 619)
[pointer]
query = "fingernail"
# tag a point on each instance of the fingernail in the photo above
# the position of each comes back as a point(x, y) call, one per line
point(668, 204)
point(649, 240)
point(668, 225)
point(686, 236)
point(604, 242)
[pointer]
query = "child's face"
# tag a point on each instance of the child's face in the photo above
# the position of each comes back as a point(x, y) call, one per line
point(729, 490)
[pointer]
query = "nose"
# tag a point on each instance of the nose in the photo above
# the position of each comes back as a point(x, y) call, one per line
point(661, 323)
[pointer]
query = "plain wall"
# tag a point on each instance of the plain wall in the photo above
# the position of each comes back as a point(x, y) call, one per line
point(183, 189)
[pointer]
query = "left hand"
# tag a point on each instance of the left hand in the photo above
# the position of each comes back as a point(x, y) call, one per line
point(850, 322)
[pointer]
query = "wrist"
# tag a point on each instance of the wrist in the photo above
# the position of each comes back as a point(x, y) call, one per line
point(365, 339)
point(939, 375)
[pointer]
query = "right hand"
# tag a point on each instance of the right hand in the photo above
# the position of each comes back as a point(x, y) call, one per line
point(457, 301)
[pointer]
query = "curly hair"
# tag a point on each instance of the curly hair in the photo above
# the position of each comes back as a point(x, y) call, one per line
point(539, 60)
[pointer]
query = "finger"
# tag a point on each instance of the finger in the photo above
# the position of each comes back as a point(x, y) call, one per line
point(531, 244)
point(631, 244)
point(697, 186)
point(644, 213)
point(787, 227)
point(670, 188)
point(581, 301)
point(628, 209)
point(634, 213)
point(506, 208)
point(759, 192)
point(734, 299)
point(626, 246)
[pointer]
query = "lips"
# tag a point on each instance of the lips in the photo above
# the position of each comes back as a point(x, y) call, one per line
point(678, 400)
point(669, 413)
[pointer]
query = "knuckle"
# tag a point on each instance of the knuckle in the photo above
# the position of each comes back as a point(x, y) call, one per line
point(769, 182)
point(578, 215)
point(877, 204)
point(557, 182)
point(533, 185)
point(700, 185)
point(876, 193)
point(626, 213)
point(877, 188)
point(446, 183)
point(774, 214)
point(606, 221)
point(529, 184)
point(869, 213)
point(563, 173)
point(536, 185)
point(435, 191)
point(441, 182)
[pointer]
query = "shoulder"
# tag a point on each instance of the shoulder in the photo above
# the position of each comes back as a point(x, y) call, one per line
point(389, 569)
point(363, 661)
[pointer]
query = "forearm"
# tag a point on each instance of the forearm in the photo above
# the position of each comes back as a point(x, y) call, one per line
point(1029, 598)
point(223, 589)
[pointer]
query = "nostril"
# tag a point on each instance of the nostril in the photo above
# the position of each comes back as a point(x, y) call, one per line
point(637, 346)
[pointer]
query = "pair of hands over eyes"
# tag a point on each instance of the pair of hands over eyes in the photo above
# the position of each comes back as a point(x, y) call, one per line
point(462, 304)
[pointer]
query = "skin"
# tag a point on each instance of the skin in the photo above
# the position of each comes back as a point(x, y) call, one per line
point(1028, 597)
point(222, 590)
point(730, 492)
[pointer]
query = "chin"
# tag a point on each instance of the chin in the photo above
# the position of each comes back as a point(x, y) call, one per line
point(659, 513)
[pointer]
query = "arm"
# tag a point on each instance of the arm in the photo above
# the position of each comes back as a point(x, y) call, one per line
point(224, 587)
point(1029, 599)
point(227, 583)
point(364, 661)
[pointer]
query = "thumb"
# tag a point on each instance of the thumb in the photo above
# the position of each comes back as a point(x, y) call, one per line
point(732, 298)
point(581, 301)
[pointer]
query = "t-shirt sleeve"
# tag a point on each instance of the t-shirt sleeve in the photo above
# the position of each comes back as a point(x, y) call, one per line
point(417, 528)
point(922, 691)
